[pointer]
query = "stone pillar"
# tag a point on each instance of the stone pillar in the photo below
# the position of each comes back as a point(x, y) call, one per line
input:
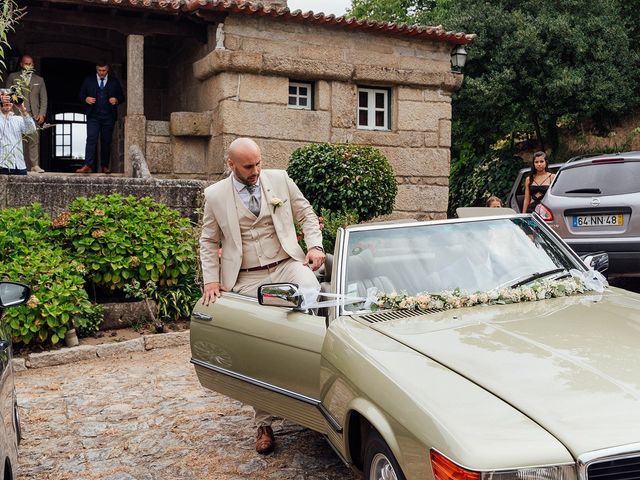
point(135, 122)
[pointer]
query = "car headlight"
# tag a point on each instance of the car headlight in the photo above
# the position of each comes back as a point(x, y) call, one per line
point(445, 469)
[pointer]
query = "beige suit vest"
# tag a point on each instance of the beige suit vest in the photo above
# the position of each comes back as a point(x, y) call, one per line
point(260, 243)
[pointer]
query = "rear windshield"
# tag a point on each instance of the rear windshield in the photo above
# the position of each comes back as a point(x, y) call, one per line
point(598, 179)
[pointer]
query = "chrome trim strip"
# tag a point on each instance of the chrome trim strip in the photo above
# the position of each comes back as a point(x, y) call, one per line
point(257, 383)
point(333, 423)
point(614, 453)
point(201, 316)
point(344, 460)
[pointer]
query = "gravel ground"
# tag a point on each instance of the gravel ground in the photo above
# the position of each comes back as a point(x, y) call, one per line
point(144, 416)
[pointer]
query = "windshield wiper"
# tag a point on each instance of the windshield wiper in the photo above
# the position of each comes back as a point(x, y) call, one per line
point(585, 190)
point(537, 275)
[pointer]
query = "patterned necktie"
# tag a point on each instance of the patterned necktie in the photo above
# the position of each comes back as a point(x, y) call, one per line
point(254, 204)
point(102, 83)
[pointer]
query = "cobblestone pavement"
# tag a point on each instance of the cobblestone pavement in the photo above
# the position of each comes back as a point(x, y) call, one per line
point(144, 416)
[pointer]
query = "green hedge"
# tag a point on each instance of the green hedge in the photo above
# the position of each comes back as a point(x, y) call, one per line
point(345, 178)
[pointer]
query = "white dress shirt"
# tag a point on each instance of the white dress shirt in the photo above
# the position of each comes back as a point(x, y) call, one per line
point(12, 128)
point(241, 188)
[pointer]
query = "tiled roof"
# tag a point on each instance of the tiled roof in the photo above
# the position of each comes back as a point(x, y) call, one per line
point(242, 7)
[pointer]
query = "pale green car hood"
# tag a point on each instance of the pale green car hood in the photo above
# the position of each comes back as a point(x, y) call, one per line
point(572, 365)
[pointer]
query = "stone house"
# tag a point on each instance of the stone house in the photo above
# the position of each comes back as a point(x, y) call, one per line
point(200, 73)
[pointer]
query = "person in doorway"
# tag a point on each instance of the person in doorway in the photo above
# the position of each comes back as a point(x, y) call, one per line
point(12, 128)
point(102, 93)
point(537, 182)
point(34, 90)
point(250, 215)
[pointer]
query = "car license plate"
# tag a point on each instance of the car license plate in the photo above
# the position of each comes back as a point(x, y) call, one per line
point(598, 220)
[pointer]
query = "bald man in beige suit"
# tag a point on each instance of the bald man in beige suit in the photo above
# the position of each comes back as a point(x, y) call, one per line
point(251, 216)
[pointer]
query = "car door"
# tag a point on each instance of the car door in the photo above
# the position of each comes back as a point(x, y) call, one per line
point(267, 357)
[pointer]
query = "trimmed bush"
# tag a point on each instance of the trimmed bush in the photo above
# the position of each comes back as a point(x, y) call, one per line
point(345, 177)
point(332, 222)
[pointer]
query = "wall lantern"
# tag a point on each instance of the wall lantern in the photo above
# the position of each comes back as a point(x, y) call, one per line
point(458, 59)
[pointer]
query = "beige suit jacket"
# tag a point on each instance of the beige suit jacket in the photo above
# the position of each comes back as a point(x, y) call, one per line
point(36, 101)
point(221, 227)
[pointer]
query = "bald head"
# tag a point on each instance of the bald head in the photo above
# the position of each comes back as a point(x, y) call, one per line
point(244, 160)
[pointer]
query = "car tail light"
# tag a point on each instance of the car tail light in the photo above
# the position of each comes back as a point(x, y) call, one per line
point(445, 469)
point(544, 213)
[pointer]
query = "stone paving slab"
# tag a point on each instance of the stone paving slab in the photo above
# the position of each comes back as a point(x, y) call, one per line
point(144, 416)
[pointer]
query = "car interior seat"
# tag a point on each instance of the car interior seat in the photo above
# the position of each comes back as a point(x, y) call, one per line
point(362, 274)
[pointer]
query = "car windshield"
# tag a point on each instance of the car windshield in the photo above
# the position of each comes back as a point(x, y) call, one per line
point(474, 256)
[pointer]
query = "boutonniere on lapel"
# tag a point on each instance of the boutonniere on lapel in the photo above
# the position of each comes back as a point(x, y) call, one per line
point(275, 202)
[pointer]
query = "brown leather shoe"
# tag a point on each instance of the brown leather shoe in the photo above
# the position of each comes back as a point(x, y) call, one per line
point(106, 170)
point(84, 169)
point(264, 440)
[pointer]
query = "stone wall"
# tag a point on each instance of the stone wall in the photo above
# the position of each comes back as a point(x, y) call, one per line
point(244, 88)
point(55, 192)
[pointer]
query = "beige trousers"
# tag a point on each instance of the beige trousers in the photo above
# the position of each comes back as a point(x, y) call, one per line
point(290, 271)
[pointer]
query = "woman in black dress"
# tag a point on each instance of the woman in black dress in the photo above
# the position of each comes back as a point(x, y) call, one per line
point(537, 183)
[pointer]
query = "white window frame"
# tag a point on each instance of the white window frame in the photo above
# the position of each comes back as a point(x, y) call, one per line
point(372, 110)
point(297, 96)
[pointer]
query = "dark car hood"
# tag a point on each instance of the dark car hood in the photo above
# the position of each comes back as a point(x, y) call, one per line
point(572, 365)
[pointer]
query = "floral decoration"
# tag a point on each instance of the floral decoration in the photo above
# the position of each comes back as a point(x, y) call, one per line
point(275, 202)
point(538, 290)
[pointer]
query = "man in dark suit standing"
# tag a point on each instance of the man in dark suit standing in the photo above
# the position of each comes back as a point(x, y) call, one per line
point(102, 93)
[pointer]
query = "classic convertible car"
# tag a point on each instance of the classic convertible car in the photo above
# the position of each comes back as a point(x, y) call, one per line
point(476, 348)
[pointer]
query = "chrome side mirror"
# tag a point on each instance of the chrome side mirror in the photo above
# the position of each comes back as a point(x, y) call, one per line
point(13, 293)
point(598, 261)
point(279, 295)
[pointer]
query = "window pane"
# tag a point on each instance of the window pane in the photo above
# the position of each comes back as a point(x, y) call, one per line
point(303, 91)
point(363, 117)
point(59, 151)
point(364, 99)
point(59, 116)
point(379, 119)
point(303, 102)
point(380, 100)
point(66, 129)
point(292, 100)
point(79, 134)
point(293, 90)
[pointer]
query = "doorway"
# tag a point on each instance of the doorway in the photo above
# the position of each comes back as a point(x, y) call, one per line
point(62, 145)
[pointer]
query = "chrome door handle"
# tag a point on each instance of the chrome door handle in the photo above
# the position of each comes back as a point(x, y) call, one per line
point(201, 316)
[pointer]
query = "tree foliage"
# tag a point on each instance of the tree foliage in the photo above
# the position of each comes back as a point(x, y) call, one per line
point(534, 66)
point(10, 13)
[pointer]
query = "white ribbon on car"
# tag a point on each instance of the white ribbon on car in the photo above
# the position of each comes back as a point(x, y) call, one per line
point(592, 279)
point(310, 298)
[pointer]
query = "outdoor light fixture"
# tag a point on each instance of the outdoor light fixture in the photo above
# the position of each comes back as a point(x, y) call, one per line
point(458, 59)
